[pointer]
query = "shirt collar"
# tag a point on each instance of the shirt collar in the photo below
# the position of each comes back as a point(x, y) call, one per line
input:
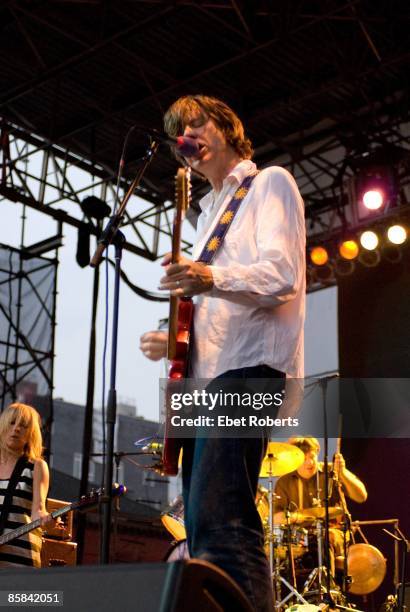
point(236, 175)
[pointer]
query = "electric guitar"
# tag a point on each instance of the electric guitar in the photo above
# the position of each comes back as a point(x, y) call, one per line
point(86, 501)
point(179, 324)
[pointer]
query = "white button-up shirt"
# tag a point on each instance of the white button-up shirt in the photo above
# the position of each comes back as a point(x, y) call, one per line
point(254, 314)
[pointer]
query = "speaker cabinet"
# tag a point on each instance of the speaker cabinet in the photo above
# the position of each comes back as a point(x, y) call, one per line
point(57, 553)
point(182, 586)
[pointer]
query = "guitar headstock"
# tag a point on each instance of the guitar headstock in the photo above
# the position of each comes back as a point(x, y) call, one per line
point(183, 189)
point(95, 495)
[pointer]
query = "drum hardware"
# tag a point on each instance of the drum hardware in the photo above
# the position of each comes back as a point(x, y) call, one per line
point(317, 574)
point(347, 520)
point(280, 459)
point(283, 535)
point(405, 544)
point(178, 551)
point(365, 564)
point(305, 608)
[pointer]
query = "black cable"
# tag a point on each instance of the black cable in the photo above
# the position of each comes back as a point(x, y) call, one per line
point(147, 295)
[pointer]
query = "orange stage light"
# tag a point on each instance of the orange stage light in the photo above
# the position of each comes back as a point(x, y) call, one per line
point(349, 249)
point(319, 256)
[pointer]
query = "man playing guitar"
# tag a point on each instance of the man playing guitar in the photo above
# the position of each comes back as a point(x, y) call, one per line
point(248, 323)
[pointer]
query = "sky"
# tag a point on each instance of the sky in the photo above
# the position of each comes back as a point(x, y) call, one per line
point(137, 377)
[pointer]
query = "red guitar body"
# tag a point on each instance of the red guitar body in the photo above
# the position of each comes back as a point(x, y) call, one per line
point(177, 371)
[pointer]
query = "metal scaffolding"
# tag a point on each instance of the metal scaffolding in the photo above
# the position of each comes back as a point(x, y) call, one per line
point(54, 181)
point(28, 289)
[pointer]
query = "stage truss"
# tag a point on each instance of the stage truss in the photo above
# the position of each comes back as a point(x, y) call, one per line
point(28, 289)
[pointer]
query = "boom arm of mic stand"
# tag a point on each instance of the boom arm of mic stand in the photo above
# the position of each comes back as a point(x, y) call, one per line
point(115, 221)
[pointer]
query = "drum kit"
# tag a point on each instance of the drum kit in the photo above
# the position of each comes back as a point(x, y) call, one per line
point(288, 544)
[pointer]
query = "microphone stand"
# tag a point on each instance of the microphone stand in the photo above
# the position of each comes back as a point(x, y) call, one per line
point(347, 528)
point(112, 235)
point(400, 590)
point(323, 385)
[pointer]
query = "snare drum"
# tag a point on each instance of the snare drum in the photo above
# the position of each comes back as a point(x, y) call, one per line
point(173, 519)
point(298, 540)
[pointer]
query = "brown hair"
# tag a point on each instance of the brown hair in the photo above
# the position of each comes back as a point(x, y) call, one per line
point(31, 418)
point(306, 444)
point(182, 110)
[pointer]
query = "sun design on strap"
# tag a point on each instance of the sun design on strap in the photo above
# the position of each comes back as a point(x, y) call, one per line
point(213, 244)
point(226, 217)
point(241, 193)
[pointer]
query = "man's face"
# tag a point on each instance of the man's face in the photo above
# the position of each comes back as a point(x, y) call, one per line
point(309, 466)
point(211, 142)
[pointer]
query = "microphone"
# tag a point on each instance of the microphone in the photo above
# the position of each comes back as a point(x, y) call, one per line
point(185, 146)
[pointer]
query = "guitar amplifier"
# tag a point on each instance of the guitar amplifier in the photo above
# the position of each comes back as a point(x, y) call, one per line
point(65, 530)
point(57, 553)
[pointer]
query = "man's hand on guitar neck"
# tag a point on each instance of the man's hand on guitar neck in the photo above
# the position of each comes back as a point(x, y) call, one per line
point(186, 277)
point(154, 344)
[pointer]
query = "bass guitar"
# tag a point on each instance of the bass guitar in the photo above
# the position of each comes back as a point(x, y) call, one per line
point(85, 502)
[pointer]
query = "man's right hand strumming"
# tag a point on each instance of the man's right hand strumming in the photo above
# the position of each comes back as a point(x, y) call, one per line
point(154, 344)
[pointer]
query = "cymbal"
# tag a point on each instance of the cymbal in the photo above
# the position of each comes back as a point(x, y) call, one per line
point(318, 512)
point(367, 567)
point(281, 458)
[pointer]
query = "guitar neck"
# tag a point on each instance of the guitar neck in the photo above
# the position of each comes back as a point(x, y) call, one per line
point(181, 204)
point(84, 502)
point(16, 533)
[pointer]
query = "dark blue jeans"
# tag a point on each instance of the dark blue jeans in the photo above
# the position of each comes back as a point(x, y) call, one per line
point(220, 479)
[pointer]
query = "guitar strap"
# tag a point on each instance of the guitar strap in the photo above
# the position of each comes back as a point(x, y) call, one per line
point(215, 241)
point(8, 496)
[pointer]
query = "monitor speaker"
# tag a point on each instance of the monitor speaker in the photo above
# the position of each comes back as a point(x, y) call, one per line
point(156, 587)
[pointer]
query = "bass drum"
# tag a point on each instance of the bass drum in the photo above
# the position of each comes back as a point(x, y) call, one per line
point(178, 551)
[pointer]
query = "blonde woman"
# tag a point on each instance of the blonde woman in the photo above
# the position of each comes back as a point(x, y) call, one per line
point(21, 453)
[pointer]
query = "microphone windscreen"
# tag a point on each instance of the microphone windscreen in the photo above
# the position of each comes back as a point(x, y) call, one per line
point(187, 147)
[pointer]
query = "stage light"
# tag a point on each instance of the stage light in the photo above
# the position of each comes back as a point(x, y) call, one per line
point(369, 259)
point(324, 274)
point(392, 253)
point(373, 199)
point(349, 249)
point(319, 256)
point(397, 234)
point(369, 240)
point(375, 185)
point(344, 267)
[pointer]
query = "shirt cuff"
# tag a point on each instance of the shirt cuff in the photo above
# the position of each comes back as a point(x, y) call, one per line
point(224, 281)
